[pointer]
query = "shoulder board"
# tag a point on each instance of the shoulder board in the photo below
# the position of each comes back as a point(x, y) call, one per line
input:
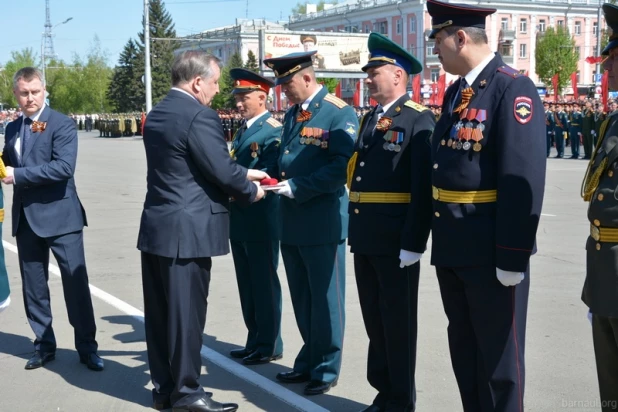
point(335, 101)
point(509, 71)
point(415, 106)
point(273, 122)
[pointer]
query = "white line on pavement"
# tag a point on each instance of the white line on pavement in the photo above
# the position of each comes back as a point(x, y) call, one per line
point(279, 392)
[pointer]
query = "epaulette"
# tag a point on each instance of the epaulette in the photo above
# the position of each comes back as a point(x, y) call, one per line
point(274, 122)
point(415, 106)
point(335, 101)
point(509, 71)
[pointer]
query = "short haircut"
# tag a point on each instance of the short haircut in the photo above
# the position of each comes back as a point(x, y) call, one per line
point(190, 64)
point(476, 34)
point(27, 74)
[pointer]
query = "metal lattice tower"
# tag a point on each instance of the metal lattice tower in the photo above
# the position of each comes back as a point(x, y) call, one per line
point(48, 40)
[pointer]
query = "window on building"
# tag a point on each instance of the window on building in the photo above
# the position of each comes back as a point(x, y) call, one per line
point(560, 23)
point(435, 75)
point(504, 23)
point(399, 24)
point(506, 49)
point(595, 27)
point(578, 77)
point(430, 49)
point(413, 24)
point(367, 29)
point(523, 26)
point(577, 51)
point(578, 28)
point(522, 51)
point(383, 27)
point(542, 25)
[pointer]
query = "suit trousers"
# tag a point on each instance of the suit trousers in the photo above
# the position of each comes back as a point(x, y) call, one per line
point(316, 277)
point(260, 294)
point(175, 303)
point(605, 338)
point(68, 249)
point(389, 303)
point(486, 333)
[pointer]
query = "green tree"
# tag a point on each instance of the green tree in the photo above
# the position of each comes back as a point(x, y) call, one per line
point(226, 83)
point(301, 8)
point(555, 54)
point(19, 59)
point(161, 51)
point(126, 91)
point(329, 83)
point(251, 63)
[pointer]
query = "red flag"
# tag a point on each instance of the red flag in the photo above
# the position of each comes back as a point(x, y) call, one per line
point(416, 88)
point(604, 90)
point(554, 82)
point(441, 89)
point(574, 85)
point(143, 122)
point(356, 97)
point(338, 90)
point(372, 102)
point(593, 59)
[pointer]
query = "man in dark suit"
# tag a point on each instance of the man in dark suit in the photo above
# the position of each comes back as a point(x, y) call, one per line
point(390, 217)
point(40, 151)
point(184, 223)
point(600, 184)
point(488, 176)
point(317, 143)
point(254, 230)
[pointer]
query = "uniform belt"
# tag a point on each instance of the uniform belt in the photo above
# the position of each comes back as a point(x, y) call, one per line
point(1, 215)
point(380, 197)
point(475, 196)
point(574, 124)
point(604, 234)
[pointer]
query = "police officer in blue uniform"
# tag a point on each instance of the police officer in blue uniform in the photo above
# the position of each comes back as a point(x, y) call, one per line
point(390, 218)
point(488, 176)
point(600, 293)
point(317, 142)
point(254, 233)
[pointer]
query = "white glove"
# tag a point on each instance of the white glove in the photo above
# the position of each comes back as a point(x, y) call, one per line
point(408, 258)
point(509, 278)
point(284, 189)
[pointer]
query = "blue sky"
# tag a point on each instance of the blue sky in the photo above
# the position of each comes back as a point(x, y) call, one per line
point(115, 21)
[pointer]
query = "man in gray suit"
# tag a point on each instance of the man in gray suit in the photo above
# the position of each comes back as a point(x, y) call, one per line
point(184, 223)
point(40, 152)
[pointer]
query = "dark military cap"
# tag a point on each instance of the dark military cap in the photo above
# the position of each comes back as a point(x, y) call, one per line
point(453, 14)
point(611, 18)
point(383, 51)
point(308, 37)
point(246, 81)
point(287, 66)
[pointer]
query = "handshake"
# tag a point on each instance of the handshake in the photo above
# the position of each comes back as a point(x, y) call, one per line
point(266, 183)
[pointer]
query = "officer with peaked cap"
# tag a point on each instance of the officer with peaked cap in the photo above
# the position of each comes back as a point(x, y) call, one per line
point(390, 217)
point(600, 185)
point(316, 143)
point(488, 178)
point(254, 236)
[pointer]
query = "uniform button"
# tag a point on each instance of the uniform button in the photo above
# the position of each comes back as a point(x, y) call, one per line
point(437, 214)
point(358, 179)
point(596, 222)
point(286, 152)
point(598, 246)
point(361, 164)
point(600, 196)
point(610, 173)
point(435, 165)
point(282, 173)
point(356, 211)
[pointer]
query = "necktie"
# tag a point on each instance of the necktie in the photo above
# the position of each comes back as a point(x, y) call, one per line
point(27, 134)
point(373, 121)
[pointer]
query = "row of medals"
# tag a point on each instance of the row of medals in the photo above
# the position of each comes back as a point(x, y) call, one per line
point(391, 147)
point(313, 141)
point(465, 145)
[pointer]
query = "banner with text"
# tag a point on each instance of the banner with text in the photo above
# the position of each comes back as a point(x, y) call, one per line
point(335, 52)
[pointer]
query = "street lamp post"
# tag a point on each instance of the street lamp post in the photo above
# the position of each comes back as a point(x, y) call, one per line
point(43, 56)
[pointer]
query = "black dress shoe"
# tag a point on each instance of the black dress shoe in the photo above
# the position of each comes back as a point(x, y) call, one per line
point(292, 377)
point(162, 405)
point(373, 408)
point(207, 404)
point(319, 387)
point(39, 359)
point(256, 358)
point(92, 361)
point(240, 353)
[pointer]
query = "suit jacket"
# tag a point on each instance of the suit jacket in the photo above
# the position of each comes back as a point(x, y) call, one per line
point(44, 183)
point(600, 290)
point(396, 225)
point(258, 222)
point(189, 181)
point(318, 214)
point(512, 161)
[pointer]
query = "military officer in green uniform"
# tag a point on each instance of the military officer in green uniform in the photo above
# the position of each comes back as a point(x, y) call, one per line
point(253, 229)
point(600, 293)
point(575, 130)
point(317, 142)
point(587, 129)
point(390, 218)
